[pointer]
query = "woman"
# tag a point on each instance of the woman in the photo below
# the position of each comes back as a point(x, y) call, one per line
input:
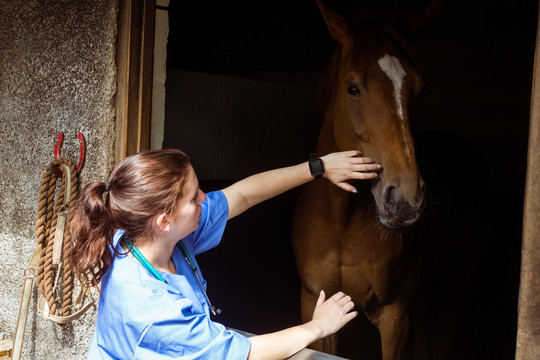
point(153, 303)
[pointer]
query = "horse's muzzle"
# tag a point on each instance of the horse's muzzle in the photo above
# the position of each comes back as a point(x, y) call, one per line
point(396, 211)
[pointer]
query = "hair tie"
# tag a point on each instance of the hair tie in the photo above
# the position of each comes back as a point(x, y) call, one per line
point(106, 186)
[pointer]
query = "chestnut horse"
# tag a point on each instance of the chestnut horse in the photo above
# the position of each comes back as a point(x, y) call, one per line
point(365, 244)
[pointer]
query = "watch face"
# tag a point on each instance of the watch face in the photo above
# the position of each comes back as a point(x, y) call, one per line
point(316, 166)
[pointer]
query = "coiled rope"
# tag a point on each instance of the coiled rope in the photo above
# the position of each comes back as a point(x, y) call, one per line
point(53, 250)
point(53, 214)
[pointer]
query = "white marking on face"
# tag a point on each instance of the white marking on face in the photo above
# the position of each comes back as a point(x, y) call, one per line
point(391, 66)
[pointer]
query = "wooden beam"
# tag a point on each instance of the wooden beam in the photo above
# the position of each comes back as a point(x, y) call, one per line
point(134, 60)
point(528, 334)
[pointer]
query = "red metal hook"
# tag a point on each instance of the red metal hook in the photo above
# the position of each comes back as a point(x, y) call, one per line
point(58, 147)
point(82, 154)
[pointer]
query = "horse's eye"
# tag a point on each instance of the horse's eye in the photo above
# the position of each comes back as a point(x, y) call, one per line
point(353, 90)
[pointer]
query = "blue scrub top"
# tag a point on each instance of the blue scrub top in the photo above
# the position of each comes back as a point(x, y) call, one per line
point(141, 317)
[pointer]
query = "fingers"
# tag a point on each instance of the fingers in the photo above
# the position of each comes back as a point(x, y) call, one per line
point(343, 300)
point(340, 296)
point(362, 160)
point(332, 314)
point(349, 165)
point(364, 164)
point(361, 164)
point(347, 187)
point(366, 167)
point(356, 158)
point(321, 299)
point(352, 153)
point(358, 175)
point(351, 315)
point(348, 306)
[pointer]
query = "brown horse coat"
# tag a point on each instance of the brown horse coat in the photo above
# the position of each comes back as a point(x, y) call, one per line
point(365, 244)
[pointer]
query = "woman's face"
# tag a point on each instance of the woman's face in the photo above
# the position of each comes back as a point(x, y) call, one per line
point(185, 219)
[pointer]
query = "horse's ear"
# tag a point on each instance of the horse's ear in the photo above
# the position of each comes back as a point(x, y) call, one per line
point(424, 20)
point(337, 25)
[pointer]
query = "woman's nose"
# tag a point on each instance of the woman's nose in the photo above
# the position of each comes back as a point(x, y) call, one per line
point(202, 197)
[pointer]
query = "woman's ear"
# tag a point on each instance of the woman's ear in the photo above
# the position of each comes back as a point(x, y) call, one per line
point(163, 223)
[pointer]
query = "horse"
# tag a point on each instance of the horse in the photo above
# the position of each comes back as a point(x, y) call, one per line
point(371, 244)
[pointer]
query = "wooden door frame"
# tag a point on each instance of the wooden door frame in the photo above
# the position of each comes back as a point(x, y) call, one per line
point(134, 61)
point(528, 341)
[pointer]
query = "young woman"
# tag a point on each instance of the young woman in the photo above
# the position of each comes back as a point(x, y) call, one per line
point(137, 235)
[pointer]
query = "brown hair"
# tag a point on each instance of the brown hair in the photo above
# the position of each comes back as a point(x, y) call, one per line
point(140, 188)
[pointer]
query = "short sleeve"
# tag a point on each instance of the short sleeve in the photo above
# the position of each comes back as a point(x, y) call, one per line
point(181, 333)
point(214, 213)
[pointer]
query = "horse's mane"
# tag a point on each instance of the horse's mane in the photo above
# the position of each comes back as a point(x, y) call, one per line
point(368, 36)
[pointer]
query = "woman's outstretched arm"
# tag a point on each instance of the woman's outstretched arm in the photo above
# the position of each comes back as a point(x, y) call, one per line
point(339, 167)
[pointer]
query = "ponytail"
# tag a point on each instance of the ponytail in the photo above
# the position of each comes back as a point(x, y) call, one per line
point(92, 229)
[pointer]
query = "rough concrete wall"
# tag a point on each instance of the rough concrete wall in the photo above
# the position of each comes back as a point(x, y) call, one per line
point(57, 73)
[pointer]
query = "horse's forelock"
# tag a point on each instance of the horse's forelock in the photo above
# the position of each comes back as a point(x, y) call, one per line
point(371, 35)
point(402, 42)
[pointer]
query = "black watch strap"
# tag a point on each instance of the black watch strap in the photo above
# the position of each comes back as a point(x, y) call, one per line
point(316, 166)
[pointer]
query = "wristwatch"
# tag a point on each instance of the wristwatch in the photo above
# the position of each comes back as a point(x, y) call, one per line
point(316, 166)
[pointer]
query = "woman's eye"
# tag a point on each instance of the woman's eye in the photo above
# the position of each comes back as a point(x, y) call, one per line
point(196, 196)
point(353, 90)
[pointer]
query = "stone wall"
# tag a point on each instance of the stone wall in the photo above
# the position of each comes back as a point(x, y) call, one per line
point(57, 73)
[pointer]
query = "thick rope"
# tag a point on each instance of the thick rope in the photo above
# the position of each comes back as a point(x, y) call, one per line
point(47, 218)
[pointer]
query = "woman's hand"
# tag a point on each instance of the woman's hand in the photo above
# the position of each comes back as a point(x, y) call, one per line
point(348, 165)
point(332, 314)
point(329, 316)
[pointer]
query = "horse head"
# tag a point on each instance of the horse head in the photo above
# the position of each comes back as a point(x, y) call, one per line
point(373, 82)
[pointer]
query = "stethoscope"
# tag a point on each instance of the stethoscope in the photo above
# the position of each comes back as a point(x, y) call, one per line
point(148, 266)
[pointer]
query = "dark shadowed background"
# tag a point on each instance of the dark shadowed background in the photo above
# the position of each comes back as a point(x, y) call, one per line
point(241, 80)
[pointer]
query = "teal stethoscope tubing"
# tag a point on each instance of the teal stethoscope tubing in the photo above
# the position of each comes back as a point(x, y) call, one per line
point(144, 262)
point(148, 266)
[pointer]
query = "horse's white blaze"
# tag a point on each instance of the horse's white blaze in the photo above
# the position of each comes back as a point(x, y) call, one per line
point(393, 69)
point(391, 66)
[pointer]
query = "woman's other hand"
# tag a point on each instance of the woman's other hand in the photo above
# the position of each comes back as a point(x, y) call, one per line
point(332, 314)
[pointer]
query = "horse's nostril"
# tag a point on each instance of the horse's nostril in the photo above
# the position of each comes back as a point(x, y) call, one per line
point(389, 194)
